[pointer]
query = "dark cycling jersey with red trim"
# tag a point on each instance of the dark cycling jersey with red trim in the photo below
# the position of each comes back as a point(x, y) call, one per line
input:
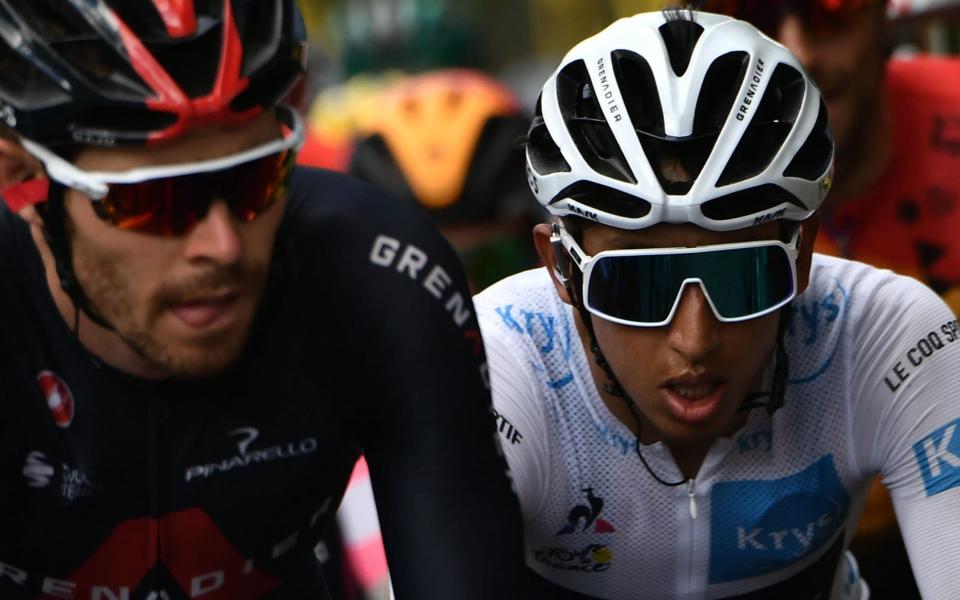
point(113, 487)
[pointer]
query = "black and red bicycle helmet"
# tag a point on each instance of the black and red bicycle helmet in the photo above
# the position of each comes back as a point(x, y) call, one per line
point(107, 72)
point(111, 72)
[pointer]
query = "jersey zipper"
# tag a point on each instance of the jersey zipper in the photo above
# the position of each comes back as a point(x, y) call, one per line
point(691, 494)
point(691, 526)
point(157, 412)
point(153, 548)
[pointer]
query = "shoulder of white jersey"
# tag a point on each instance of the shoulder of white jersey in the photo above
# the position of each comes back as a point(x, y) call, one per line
point(533, 286)
point(860, 278)
point(862, 299)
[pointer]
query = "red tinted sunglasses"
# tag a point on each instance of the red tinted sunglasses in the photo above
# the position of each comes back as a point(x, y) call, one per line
point(173, 205)
point(819, 16)
point(169, 200)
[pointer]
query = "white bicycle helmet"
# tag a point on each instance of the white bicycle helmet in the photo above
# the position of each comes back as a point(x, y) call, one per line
point(680, 117)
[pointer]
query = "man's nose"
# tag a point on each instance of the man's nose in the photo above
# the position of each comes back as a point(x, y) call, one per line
point(215, 237)
point(694, 331)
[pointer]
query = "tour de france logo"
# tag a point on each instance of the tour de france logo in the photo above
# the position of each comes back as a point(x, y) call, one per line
point(584, 519)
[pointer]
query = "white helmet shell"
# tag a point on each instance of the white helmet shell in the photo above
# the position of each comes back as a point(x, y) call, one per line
point(681, 117)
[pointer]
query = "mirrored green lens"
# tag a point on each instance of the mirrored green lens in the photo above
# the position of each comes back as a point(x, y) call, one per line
point(643, 288)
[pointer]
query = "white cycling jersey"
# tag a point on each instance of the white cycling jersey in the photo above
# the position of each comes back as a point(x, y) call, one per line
point(874, 387)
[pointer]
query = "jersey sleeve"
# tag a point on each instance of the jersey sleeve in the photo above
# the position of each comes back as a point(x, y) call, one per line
point(449, 517)
point(520, 418)
point(906, 418)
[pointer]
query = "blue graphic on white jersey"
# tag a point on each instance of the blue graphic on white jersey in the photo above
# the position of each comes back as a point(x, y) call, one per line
point(542, 329)
point(623, 444)
point(812, 321)
point(755, 440)
point(938, 456)
point(758, 527)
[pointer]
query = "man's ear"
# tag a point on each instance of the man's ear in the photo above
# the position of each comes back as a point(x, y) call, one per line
point(808, 235)
point(558, 269)
point(17, 166)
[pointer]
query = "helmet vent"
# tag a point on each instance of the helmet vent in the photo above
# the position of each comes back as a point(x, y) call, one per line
point(53, 22)
point(71, 37)
point(639, 90)
point(748, 202)
point(142, 17)
point(769, 127)
point(719, 91)
point(25, 86)
point(605, 199)
point(270, 86)
point(192, 62)
point(676, 161)
point(813, 158)
point(274, 55)
point(545, 155)
point(587, 125)
point(680, 35)
point(261, 32)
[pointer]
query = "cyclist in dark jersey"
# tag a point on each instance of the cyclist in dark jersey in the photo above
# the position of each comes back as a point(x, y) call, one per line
point(198, 342)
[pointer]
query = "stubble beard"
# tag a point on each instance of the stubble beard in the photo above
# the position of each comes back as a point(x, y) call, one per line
point(107, 282)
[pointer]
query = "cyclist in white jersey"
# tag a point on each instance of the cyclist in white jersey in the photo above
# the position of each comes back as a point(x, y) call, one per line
point(692, 403)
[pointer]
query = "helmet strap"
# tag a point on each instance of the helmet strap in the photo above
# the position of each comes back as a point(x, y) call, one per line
point(781, 371)
point(54, 214)
point(612, 386)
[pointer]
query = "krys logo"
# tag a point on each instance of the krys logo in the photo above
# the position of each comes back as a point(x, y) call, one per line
point(813, 322)
point(248, 456)
point(938, 456)
point(583, 517)
point(58, 396)
point(761, 526)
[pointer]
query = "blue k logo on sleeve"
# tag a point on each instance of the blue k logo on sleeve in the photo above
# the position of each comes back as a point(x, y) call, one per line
point(938, 456)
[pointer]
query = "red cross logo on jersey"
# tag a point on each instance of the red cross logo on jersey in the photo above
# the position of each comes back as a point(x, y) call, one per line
point(58, 396)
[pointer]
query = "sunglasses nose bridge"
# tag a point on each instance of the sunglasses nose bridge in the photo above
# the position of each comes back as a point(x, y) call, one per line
point(694, 330)
point(696, 284)
point(215, 235)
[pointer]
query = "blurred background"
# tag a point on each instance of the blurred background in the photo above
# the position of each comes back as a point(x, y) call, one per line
point(356, 43)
